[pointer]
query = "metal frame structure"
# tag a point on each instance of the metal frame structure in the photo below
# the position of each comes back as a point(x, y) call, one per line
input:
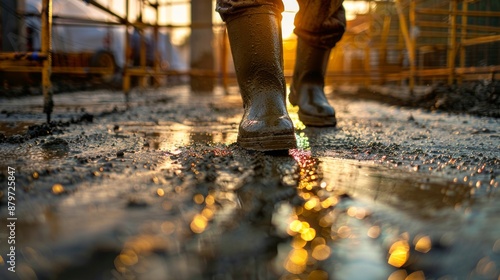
point(410, 16)
point(375, 35)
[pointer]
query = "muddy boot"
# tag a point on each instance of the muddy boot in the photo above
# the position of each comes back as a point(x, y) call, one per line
point(257, 53)
point(307, 87)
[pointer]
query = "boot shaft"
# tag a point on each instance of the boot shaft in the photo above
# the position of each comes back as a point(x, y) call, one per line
point(311, 63)
point(257, 49)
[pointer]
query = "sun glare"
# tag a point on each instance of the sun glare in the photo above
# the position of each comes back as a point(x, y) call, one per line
point(291, 8)
point(354, 8)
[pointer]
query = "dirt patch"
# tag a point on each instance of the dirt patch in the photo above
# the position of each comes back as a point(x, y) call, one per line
point(161, 188)
point(480, 98)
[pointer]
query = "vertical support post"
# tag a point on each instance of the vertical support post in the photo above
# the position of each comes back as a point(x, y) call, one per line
point(452, 43)
point(156, 61)
point(143, 48)
point(413, 43)
point(46, 48)
point(410, 47)
point(202, 56)
point(463, 35)
point(367, 61)
point(126, 76)
point(383, 40)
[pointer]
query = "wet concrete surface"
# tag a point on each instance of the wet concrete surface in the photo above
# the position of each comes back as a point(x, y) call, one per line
point(158, 189)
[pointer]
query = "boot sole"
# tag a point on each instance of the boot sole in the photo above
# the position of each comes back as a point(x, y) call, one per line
point(309, 120)
point(269, 143)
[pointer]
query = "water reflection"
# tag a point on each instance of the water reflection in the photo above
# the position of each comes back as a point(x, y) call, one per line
point(171, 136)
point(320, 225)
point(213, 211)
point(320, 208)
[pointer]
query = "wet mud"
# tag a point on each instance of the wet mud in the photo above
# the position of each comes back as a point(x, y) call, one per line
point(480, 98)
point(158, 189)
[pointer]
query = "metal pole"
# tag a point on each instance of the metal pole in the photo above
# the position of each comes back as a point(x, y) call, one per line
point(367, 62)
point(201, 54)
point(156, 46)
point(46, 48)
point(410, 47)
point(413, 48)
point(383, 40)
point(452, 42)
point(463, 37)
point(126, 76)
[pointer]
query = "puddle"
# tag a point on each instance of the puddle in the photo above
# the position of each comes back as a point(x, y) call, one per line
point(397, 188)
point(171, 136)
point(330, 228)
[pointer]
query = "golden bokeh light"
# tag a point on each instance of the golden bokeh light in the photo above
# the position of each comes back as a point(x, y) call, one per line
point(326, 221)
point(298, 243)
point(417, 275)
point(207, 213)
point(399, 253)
point(128, 257)
point(198, 198)
point(321, 252)
point(330, 201)
point(295, 226)
point(311, 203)
point(155, 180)
point(318, 241)
point(351, 211)
point(344, 232)
point(210, 199)
point(57, 189)
point(423, 244)
point(318, 275)
point(199, 223)
point(296, 261)
point(160, 192)
point(373, 232)
point(168, 227)
point(398, 275)
point(486, 267)
point(308, 234)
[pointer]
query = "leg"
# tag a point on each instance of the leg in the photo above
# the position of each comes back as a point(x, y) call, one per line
point(319, 25)
point(256, 44)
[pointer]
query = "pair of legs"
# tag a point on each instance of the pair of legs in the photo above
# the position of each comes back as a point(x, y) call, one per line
point(255, 37)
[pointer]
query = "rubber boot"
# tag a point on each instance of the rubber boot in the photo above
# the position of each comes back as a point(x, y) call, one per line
point(307, 87)
point(256, 46)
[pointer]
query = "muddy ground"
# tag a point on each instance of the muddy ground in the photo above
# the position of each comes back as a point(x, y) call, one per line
point(158, 189)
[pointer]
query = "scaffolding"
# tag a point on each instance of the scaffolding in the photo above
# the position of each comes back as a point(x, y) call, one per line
point(47, 62)
point(422, 42)
point(410, 42)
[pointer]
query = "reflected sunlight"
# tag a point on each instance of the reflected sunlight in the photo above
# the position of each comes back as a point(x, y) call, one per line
point(57, 189)
point(291, 8)
point(423, 244)
point(399, 253)
point(354, 8)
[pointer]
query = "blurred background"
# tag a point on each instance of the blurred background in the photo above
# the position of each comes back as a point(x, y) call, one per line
point(167, 42)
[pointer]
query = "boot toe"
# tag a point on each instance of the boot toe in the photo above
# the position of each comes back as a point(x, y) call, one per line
point(272, 125)
point(319, 110)
point(319, 115)
point(270, 133)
